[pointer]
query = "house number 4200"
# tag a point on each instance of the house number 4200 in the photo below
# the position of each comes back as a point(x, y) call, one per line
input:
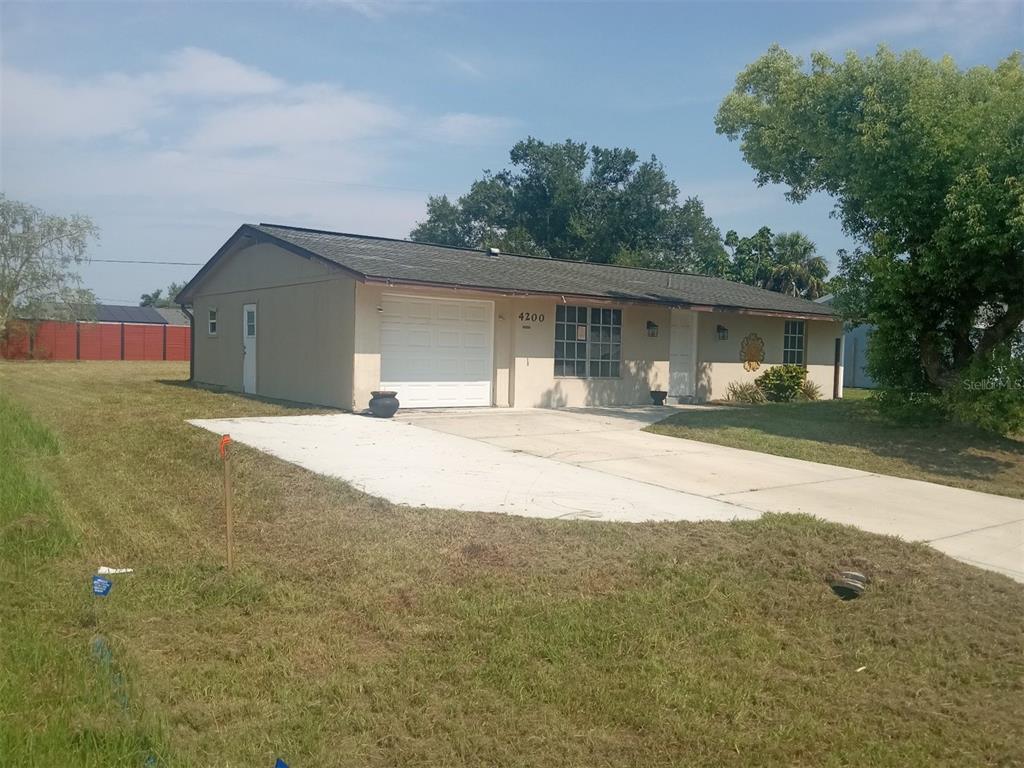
point(531, 317)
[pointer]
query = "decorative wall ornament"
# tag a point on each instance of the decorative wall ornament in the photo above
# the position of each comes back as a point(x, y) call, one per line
point(752, 352)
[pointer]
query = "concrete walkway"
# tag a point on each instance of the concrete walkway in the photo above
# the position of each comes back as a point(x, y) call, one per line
point(596, 464)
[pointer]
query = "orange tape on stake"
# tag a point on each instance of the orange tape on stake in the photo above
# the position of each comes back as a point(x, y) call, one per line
point(225, 441)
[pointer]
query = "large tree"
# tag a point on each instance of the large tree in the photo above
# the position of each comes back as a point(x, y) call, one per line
point(573, 201)
point(926, 164)
point(39, 256)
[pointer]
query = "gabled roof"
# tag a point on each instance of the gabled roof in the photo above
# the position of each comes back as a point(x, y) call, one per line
point(380, 259)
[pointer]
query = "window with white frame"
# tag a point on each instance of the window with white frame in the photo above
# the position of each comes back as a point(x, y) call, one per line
point(588, 342)
point(211, 322)
point(793, 343)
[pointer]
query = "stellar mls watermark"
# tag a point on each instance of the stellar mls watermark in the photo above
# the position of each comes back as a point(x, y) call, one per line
point(991, 385)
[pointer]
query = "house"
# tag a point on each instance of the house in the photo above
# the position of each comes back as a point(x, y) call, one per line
point(327, 317)
point(98, 332)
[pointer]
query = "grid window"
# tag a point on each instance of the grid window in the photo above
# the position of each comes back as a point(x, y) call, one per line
point(571, 341)
point(793, 343)
point(211, 322)
point(588, 342)
point(605, 342)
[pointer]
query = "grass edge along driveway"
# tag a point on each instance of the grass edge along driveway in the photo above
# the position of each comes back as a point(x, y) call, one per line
point(358, 633)
point(849, 433)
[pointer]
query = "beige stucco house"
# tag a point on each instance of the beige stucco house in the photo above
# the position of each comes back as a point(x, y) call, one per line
point(326, 318)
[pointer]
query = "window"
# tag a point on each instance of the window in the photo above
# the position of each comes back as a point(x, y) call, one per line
point(588, 342)
point(793, 343)
point(211, 322)
point(571, 341)
point(250, 322)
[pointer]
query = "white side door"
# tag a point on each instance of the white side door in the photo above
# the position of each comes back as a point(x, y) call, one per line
point(682, 351)
point(249, 348)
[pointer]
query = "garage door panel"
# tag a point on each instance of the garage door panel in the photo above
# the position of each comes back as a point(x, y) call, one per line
point(447, 311)
point(437, 352)
point(449, 339)
point(476, 314)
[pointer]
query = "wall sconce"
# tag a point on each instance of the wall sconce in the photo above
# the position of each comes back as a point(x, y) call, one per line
point(723, 333)
point(652, 329)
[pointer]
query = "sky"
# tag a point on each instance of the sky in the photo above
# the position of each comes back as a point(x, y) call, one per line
point(170, 124)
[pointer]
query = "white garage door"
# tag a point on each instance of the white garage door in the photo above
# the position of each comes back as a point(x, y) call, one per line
point(436, 352)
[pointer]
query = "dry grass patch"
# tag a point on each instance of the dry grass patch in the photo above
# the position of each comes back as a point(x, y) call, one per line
point(359, 633)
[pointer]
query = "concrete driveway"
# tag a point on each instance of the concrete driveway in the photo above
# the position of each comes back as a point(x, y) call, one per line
point(596, 464)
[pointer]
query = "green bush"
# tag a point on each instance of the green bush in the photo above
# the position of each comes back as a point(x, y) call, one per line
point(744, 392)
point(782, 383)
point(990, 394)
point(809, 391)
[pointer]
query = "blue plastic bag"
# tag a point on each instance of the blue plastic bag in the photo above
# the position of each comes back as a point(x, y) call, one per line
point(101, 586)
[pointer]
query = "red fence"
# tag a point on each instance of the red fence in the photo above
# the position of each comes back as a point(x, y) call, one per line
point(51, 340)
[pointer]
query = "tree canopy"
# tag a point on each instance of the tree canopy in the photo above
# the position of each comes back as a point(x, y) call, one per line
point(573, 201)
point(926, 164)
point(161, 297)
point(39, 253)
point(787, 262)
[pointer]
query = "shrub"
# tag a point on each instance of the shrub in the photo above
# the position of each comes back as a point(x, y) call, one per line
point(782, 383)
point(809, 391)
point(910, 407)
point(744, 392)
point(990, 394)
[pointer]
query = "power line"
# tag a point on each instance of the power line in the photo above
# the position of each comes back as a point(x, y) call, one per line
point(139, 261)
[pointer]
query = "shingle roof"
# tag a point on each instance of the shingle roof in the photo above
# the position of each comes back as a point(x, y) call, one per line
point(109, 313)
point(404, 261)
point(173, 315)
point(112, 313)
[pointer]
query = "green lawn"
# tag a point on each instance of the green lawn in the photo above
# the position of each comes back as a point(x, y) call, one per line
point(849, 433)
point(356, 633)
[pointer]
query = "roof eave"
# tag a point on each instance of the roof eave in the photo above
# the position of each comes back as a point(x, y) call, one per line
point(391, 281)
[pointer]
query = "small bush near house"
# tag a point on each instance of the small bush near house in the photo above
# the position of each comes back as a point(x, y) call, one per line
point(782, 383)
point(809, 391)
point(745, 392)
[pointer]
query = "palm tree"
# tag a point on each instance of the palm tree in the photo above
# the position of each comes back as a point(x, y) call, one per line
point(798, 269)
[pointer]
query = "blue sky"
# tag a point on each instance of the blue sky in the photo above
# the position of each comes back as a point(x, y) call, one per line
point(171, 124)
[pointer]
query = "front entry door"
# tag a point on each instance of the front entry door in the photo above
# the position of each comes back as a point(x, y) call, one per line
point(249, 348)
point(682, 350)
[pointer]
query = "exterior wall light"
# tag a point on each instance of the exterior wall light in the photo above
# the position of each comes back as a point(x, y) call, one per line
point(652, 329)
point(723, 333)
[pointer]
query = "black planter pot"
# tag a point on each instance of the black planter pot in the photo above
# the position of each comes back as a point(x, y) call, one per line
point(658, 396)
point(384, 405)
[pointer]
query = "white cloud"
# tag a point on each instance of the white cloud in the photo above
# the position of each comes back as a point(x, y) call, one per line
point(200, 72)
point(969, 22)
point(43, 107)
point(377, 9)
point(307, 115)
point(464, 65)
point(465, 128)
